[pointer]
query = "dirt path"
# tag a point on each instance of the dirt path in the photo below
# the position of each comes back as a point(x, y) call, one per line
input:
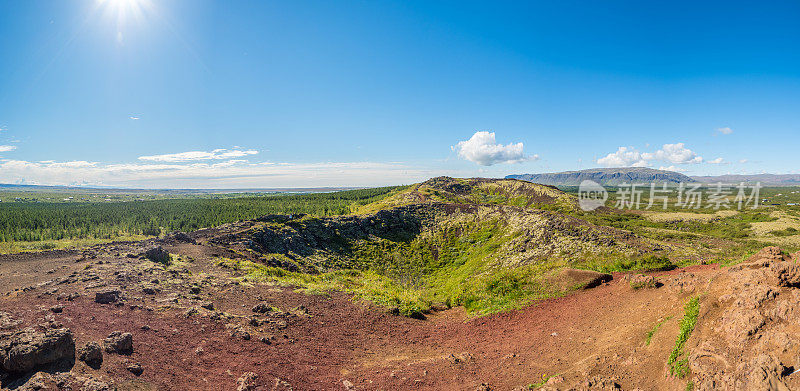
point(577, 336)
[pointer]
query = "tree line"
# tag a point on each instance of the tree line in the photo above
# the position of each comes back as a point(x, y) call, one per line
point(54, 221)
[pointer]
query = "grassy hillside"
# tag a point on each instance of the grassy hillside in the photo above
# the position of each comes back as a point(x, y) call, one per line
point(478, 191)
point(487, 245)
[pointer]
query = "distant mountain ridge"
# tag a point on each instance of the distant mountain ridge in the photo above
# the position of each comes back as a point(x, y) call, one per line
point(764, 179)
point(605, 176)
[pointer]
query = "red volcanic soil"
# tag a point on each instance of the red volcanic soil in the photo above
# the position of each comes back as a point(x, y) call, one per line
point(331, 342)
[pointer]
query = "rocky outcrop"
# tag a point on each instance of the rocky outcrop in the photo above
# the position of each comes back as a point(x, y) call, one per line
point(179, 236)
point(306, 236)
point(7, 322)
point(750, 340)
point(27, 350)
point(59, 381)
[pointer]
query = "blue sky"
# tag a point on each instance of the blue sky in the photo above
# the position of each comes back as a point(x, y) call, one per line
point(192, 93)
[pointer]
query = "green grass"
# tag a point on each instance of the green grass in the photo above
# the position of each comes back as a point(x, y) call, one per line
point(540, 383)
point(677, 363)
point(27, 246)
point(366, 285)
point(652, 332)
point(451, 267)
point(650, 262)
point(785, 232)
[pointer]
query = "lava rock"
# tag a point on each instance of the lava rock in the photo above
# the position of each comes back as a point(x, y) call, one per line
point(134, 368)
point(91, 354)
point(119, 342)
point(262, 308)
point(107, 297)
point(158, 255)
point(28, 349)
point(181, 237)
point(247, 382)
point(149, 291)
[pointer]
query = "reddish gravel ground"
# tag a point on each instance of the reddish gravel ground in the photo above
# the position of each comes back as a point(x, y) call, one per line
point(343, 343)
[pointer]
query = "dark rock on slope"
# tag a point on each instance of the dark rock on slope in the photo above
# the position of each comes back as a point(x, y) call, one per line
point(303, 237)
point(26, 350)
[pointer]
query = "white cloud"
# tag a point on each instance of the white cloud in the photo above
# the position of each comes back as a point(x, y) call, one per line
point(7, 148)
point(72, 164)
point(718, 160)
point(624, 157)
point(231, 173)
point(725, 130)
point(133, 118)
point(629, 157)
point(672, 168)
point(483, 149)
point(743, 161)
point(675, 153)
point(217, 154)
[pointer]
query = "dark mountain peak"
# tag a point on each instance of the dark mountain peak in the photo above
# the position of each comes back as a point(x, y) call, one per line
point(605, 176)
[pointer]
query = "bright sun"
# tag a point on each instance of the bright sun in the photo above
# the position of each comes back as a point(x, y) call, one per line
point(124, 12)
point(125, 8)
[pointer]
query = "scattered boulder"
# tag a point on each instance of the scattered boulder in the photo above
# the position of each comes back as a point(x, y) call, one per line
point(26, 350)
point(57, 309)
point(119, 343)
point(7, 322)
point(58, 381)
point(601, 383)
point(247, 382)
point(158, 255)
point(39, 381)
point(179, 236)
point(91, 354)
point(134, 368)
point(107, 297)
point(641, 281)
point(95, 385)
point(149, 290)
point(262, 308)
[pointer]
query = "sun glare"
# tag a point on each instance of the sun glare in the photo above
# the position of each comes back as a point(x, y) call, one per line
point(124, 12)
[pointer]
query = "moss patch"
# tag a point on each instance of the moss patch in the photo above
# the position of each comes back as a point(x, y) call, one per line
point(677, 362)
